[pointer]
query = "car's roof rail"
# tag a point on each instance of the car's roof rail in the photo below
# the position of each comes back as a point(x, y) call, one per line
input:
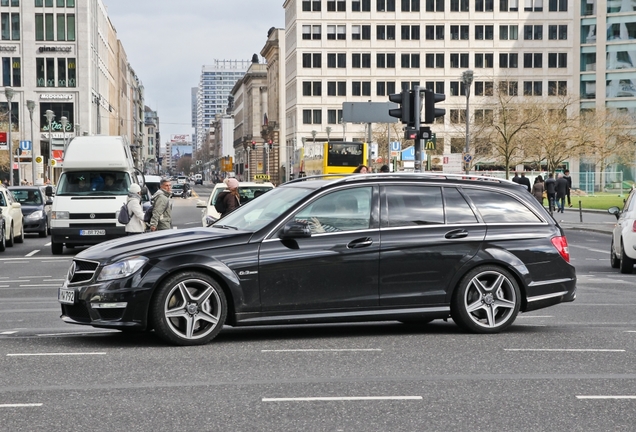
point(402, 175)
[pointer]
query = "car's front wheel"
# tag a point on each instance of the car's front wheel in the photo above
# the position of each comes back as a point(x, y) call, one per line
point(45, 231)
point(189, 308)
point(615, 261)
point(487, 300)
point(627, 264)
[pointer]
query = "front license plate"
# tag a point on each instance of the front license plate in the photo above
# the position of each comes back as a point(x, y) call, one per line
point(66, 296)
point(92, 232)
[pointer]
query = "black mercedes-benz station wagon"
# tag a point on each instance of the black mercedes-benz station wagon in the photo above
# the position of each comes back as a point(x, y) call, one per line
point(405, 247)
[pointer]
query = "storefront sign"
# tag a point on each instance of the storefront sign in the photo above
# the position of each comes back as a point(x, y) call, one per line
point(55, 96)
point(8, 48)
point(63, 49)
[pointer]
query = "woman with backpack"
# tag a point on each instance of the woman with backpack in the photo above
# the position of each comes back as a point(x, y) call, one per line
point(136, 225)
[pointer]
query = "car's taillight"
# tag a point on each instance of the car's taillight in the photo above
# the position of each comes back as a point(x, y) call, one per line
point(634, 226)
point(561, 245)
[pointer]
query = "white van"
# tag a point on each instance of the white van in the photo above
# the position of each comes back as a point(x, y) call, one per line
point(96, 174)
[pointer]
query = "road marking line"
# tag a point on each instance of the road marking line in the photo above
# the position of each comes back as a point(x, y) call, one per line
point(564, 349)
point(20, 262)
point(38, 285)
point(54, 354)
point(37, 258)
point(32, 253)
point(48, 244)
point(343, 398)
point(606, 397)
point(322, 350)
point(630, 331)
point(535, 316)
point(8, 332)
point(590, 249)
point(78, 333)
point(24, 405)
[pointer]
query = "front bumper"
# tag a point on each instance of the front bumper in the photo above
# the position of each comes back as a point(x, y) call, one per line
point(71, 236)
point(34, 226)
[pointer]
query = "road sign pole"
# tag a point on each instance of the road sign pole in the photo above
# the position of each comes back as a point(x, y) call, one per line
point(417, 142)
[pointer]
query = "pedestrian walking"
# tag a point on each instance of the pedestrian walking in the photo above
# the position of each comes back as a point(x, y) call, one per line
point(538, 188)
point(161, 210)
point(550, 189)
point(136, 225)
point(525, 181)
point(566, 176)
point(516, 177)
point(561, 190)
point(231, 199)
point(361, 169)
point(384, 169)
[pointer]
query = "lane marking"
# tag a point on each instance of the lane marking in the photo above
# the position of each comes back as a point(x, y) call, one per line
point(20, 262)
point(323, 350)
point(606, 397)
point(564, 349)
point(54, 354)
point(30, 254)
point(36, 259)
point(590, 249)
point(535, 316)
point(23, 405)
point(78, 333)
point(37, 277)
point(8, 332)
point(342, 398)
point(48, 244)
point(39, 285)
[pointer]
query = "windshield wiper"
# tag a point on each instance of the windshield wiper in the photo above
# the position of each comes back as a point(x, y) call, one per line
point(225, 227)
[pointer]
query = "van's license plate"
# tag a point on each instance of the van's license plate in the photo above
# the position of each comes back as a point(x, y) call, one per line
point(66, 296)
point(92, 232)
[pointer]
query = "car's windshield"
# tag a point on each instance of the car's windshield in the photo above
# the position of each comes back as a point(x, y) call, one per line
point(27, 196)
point(258, 213)
point(93, 183)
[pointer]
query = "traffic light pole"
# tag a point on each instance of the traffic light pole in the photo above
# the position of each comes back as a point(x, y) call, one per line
point(417, 141)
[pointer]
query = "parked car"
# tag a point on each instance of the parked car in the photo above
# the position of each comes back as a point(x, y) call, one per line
point(247, 191)
point(623, 246)
point(13, 230)
point(36, 208)
point(373, 247)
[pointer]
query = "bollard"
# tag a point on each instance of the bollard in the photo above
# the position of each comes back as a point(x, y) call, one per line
point(580, 212)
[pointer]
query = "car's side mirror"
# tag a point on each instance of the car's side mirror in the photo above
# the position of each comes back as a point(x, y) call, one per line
point(201, 204)
point(614, 211)
point(48, 191)
point(295, 229)
point(16, 205)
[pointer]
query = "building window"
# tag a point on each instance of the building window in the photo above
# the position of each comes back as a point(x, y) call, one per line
point(306, 116)
point(361, 5)
point(366, 88)
point(11, 72)
point(484, 5)
point(385, 6)
point(385, 32)
point(557, 60)
point(510, 32)
point(484, 88)
point(459, 60)
point(10, 26)
point(355, 32)
point(331, 88)
point(563, 32)
point(331, 32)
point(508, 60)
point(306, 32)
point(410, 5)
point(48, 76)
point(316, 32)
point(532, 88)
point(336, 60)
point(410, 32)
point(484, 60)
point(311, 5)
point(533, 60)
point(333, 6)
point(356, 88)
point(559, 5)
point(459, 6)
point(312, 60)
point(341, 32)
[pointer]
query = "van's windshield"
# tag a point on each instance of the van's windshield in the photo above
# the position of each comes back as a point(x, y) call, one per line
point(93, 183)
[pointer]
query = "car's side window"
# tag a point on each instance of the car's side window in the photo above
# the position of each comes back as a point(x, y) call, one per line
point(630, 203)
point(497, 207)
point(344, 210)
point(2, 200)
point(414, 205)
point(457, 209)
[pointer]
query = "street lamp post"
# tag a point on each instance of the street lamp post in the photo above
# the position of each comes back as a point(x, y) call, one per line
point(467, 79)
point(9, 92)
point(31, 106)
point(328, 130)
point(64, 122)
point(50, 115)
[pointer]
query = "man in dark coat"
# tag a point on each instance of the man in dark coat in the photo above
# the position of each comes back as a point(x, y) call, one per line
point(523, 180)
point(516, 178)
point(566, 175)
point(561, 190)
point(550, 190)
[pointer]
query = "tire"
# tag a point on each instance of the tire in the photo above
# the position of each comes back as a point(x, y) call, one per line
point(188, 308)
point(20, 238)
point(615, 261)
point(627, 264)
point(57, 248)
point(11, 240)
point(45, 231)
point(487, 300)
point(3, 240)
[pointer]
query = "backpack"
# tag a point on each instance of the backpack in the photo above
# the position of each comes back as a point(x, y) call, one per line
point(220, 205)
point(124, 216)
point(148, 213)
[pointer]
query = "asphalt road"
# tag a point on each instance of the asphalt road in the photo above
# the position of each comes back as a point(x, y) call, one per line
point(569, 367)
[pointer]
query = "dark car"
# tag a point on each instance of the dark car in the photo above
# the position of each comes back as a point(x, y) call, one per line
point(36, 208)
point(405, 247)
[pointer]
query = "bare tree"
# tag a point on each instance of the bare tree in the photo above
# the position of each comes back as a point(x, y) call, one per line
point(380, 136)
point(184, 165)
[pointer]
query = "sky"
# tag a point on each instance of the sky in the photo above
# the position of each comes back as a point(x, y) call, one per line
point(168, 41)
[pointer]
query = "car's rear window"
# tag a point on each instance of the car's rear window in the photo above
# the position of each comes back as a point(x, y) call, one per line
point(496, 207)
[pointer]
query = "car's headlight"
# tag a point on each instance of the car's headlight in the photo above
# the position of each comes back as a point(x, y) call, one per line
point(38, 214)
point(59, 215)
point(122, 269)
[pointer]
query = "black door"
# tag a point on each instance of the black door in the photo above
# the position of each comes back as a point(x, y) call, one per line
point(336, 268)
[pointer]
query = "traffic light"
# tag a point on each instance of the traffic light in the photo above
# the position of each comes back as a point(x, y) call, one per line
point(253, 145)
point(405, 111)
point(270, 144)
point(410, 133)
point(430, 112)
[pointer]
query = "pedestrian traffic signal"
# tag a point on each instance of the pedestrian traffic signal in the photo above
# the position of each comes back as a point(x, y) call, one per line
point(430, 112)
point(410, 133)
point(253, 145)
point(405, 111)
point(270, 144)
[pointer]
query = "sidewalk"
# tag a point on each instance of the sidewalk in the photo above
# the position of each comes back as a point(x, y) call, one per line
point(587, 220)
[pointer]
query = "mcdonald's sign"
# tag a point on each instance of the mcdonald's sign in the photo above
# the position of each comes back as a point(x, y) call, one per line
point(431, 143)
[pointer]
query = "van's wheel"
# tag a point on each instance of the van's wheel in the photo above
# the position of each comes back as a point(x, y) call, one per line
point(11, 240)
point(627, 264)
point(189, 308)
point(615, 261)
point(20, 238)
point(487, 300)
point(57, 248)
point(3, 240)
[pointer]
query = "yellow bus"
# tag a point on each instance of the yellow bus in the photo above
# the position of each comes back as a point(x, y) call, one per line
point(333, 158)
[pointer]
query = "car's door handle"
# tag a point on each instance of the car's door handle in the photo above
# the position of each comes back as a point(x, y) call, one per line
point(455, 234)
point(359, 243)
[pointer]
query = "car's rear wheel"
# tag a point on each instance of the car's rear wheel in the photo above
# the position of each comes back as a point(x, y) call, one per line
point(615, 261)
point(487, 300)
point(189, 308)
point(20, 238)
point(3, 239)
point(11, 239)
point(57, 248)
point(627, 264)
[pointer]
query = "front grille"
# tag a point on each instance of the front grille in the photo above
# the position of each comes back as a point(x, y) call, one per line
point(111, 314)
point(92, 216)
point(77, 312)
point(84, 271)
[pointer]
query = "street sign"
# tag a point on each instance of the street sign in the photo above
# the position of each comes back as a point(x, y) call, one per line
point(467, 157)
point(408, 154)
point(452, 163)
point(368, 112)
point(261, 177)
point(25, 145)
point(39, 159)
point(396, 146)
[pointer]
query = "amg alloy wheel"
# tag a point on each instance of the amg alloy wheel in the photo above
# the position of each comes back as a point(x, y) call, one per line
point(615, 261)
point(188, 309)
point(487, 300)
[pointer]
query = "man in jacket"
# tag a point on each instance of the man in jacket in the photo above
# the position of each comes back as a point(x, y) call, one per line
point(525, 181)
point(561, 190)
point(136, 225)
point(162, 212)
point(550, 190)
point(566, 176)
